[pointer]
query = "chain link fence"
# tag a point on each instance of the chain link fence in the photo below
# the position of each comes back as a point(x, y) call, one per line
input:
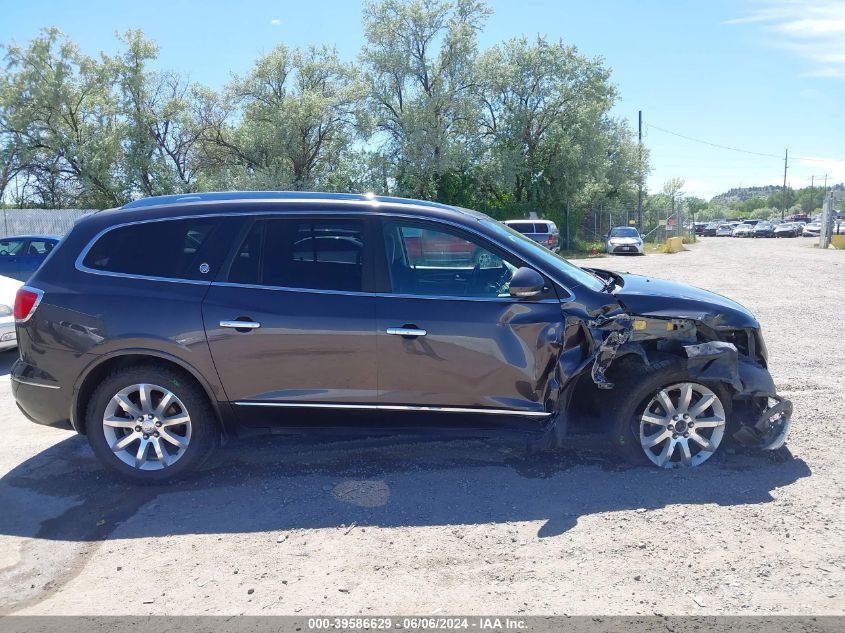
point(39, 221)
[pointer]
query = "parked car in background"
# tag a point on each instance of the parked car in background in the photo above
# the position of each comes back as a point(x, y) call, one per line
point(743, 230)
point(158, 328)
point(764, 229)
point(8, 289)
point(709, 229)
point(21, 255)
point(698, 228)
point(812, 229)
point(725, 229)
point(787, 229)
point(543, 232)
point(624, 239)
point(752, 222)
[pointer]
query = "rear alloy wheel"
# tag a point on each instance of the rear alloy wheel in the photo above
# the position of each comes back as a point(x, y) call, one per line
point(147, 427)
point(150, 424)
point(682, 425)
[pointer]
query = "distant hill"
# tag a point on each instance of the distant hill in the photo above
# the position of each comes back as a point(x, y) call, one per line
point(740, 194)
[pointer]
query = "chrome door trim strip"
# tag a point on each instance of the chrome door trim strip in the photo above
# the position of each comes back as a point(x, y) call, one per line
point(391, 407)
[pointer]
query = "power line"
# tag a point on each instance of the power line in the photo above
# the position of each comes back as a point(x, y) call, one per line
point(736, 149)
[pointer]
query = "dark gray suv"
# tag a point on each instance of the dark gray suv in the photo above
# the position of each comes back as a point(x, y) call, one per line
point(160, 327)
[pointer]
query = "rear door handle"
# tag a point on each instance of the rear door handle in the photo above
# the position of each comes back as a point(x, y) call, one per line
point(406, 331)
point(240, 325)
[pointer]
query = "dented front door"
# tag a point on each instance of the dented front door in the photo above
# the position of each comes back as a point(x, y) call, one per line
point(437, 348)
point(468, 353)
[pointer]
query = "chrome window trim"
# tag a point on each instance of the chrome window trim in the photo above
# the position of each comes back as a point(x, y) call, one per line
point(227, 284)
point(269, 213)
point(391, 407)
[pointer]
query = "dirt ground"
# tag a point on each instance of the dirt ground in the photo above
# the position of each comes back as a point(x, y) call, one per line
point(280, 526)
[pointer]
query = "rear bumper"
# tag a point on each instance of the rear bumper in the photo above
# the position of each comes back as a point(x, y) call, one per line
point(40, 396)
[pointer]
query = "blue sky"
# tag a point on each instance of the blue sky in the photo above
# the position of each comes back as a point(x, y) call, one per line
point(757, 75)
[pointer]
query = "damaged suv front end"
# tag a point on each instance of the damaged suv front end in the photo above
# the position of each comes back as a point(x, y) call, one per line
point(718, 340)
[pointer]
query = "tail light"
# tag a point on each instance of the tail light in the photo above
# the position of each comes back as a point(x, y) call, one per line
point(550, 240)
point(26, 301)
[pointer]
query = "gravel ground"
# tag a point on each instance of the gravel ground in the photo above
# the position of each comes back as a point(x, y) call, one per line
point(276, 526)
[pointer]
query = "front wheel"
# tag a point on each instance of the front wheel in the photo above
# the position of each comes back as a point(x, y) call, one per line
point(660, 415)
point(150, 424)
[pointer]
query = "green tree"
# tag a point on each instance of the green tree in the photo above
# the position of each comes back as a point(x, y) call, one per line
point(551, 146)
point(419, 59)
point(61, 108)
point(295, 116)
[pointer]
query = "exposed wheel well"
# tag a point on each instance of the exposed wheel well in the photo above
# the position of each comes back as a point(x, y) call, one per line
point(98, 373)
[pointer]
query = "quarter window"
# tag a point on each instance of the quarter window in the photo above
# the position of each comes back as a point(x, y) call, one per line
point(302, 253)
point(427, 261)
point(166, 248)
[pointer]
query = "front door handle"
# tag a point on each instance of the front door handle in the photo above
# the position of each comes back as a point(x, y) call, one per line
point(406, 331)
point(240, 325)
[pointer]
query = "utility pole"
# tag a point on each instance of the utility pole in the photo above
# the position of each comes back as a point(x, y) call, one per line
point(640, 192)
point(785, 161)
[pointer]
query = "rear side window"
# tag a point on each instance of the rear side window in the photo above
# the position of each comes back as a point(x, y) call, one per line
point(302, 253)
point(165, 248)
point(523, 227)
point(40, 247)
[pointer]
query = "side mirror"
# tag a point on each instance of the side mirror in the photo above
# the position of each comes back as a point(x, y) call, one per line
point(526, 282)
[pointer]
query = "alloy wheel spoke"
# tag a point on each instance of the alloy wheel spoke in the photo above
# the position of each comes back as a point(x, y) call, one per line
point(655, 439)
point(666, 402)
point(144, 395)
point(702, 441)
point(180, 418)
point(667, 452)
point(162, 455)
point(123, 401)
point(176, 440)
point(141, 455)
point(125, 441)
point(119, 423)
point(686, 396)
point(702, 405)
point(686, 455)
point(653, 418)
point(165, 402)
point(709, 423)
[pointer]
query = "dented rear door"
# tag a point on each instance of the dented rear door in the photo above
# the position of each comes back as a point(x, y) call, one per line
point(436, 348)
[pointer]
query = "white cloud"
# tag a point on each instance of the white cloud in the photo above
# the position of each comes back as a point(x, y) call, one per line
point(275, 21)
point(812, 29)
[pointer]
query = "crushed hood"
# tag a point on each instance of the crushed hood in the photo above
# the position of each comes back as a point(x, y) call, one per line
point(648, 296)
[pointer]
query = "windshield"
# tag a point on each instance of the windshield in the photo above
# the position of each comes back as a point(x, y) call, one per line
point(624, 231)
point(556, 262)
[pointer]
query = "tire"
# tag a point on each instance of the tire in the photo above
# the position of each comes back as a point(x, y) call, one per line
point(636, 392)
point(176, 439)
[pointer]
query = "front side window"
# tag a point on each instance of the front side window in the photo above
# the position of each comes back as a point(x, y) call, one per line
point(426, 261)
point(163, 248)
point(11, 247)
point(302, 253)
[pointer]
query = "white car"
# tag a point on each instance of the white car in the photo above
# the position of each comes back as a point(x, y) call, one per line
point(624, 239)
point(8, 290)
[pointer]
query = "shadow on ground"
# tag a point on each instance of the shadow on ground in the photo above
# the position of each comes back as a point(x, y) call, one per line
point(278, 483)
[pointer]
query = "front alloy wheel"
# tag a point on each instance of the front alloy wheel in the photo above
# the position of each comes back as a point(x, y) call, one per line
point(147, 427)
point(682, 425)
